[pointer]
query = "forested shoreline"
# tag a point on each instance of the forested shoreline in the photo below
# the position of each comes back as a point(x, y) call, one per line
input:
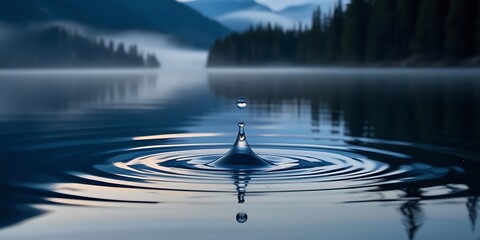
point(56, 47)
point(367, 32)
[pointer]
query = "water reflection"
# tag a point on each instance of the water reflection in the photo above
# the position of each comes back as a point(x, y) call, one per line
point(48, 116)
point(31, 95)
point(12, 215)
point(242, 217)
point(473, 207)
point(437, 106)
point(425, 109)
point(92, 122)
point(412, 212)
point(241, 180)
point(24, 95)
point(414, 217)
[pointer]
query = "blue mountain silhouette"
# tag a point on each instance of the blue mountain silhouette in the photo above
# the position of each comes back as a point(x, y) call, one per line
point(165, 16)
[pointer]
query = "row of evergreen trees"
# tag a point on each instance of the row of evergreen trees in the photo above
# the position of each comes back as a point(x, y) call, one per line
point(56, 47)
point(367, 31)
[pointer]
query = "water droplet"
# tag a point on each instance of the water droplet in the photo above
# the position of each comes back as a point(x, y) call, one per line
point(242, 217)
point(241, 124)
point(241, 102)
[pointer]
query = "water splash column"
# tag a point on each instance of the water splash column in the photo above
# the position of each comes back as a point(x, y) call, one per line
point(241, 157)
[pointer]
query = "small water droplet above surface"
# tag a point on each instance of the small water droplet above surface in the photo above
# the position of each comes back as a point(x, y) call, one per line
point(241, 103)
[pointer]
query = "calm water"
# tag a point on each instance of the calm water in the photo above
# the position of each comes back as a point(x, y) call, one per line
point(359, 154)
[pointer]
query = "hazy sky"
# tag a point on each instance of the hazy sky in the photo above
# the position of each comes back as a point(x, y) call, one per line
point(279, 4)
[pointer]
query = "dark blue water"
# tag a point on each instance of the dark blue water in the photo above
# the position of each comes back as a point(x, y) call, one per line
point(353, 154)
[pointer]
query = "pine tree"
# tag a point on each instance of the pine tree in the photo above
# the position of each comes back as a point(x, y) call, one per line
point(301, 50)
point(152, 61)
point(111, 46)
point(334, 34)
point(460, 29)
point(478, 29)
point(316, 38)
point(133, 50)
point(406, 19)
point(355, 30)
point(374, 30)
point(57, 47)
point(431, 28)
point(316, 20)
point(381, 38)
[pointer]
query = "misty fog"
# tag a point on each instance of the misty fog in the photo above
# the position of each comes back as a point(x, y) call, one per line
point(171, 54)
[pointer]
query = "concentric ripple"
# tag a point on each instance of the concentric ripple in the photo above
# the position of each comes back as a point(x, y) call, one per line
point(296, 168)
point(160, 168)
point(185, 167)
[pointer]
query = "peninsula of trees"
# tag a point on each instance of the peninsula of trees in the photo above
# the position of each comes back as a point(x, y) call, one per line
point(55, 47)
point(367, 32)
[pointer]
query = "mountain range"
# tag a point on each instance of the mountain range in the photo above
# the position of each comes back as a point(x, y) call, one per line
point(238, 15)
point(218, 8)
point(166, 16)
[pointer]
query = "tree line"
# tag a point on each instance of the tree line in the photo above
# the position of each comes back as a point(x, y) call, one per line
point(56, 47)
point(405, 32)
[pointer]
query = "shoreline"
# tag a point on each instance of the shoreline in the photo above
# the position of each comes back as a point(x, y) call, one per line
point(407, 63)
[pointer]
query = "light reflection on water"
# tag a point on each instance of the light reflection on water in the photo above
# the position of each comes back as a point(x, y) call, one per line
point(361, 148)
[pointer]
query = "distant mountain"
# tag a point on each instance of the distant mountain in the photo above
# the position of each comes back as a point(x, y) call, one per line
point(238, 15)
point(165, 16)
point(242, 20)
point(218, 8)
point(300, 13)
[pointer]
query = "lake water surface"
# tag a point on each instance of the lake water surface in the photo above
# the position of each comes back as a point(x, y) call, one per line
point(358, 154)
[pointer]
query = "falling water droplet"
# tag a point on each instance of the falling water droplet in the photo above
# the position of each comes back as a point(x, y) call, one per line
point(241, 102)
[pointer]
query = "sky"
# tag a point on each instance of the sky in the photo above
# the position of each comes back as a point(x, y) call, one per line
point(279, 4)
